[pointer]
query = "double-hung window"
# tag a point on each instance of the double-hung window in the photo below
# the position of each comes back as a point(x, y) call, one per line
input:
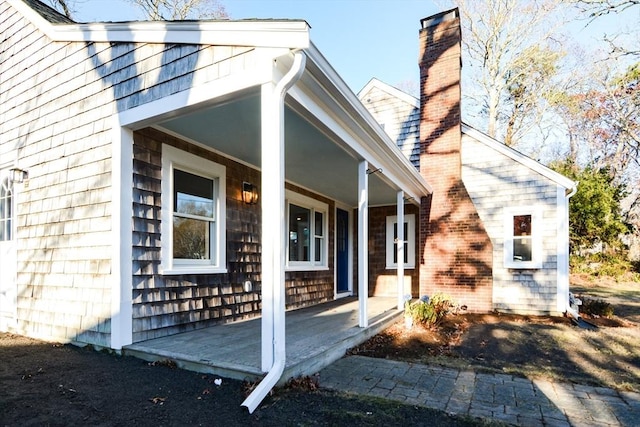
point(409, 242)
point(523, 237)
point(6, 209)
point(193, 214)
point(306, 233)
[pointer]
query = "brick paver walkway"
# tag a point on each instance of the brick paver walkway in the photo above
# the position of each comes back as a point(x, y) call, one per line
point(501, 397)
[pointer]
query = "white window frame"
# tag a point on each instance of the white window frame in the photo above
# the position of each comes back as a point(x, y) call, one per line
point(173, 158)
point(410, 238)
point(7, 197)
point(314, 206)
point(536, 237)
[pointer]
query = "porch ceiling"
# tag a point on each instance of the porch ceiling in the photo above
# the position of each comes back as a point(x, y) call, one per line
point(312, 159)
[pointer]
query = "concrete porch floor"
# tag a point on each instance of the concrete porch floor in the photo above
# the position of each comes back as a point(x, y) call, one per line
point(315, 337)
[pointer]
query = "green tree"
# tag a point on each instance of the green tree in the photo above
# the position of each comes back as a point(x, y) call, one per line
point(594, 211)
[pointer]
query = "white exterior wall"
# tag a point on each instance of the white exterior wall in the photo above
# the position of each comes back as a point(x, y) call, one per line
point(496, 182)
point(399, 119)
point(57, 103)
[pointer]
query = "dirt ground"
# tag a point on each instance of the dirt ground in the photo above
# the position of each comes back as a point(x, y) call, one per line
point(530, 346)
point(51, 384)
point(42, 384)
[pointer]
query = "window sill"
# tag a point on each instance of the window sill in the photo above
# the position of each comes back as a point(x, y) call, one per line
point(192, 270)
point(306, 268)
point(395, 267)
point(523, 266)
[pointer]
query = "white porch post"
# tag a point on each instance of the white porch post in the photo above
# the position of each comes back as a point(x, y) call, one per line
point(400, 248)
point(121, 252)
point(363, 243)
point(272, 189)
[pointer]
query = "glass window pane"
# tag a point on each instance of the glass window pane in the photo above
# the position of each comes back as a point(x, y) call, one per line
point(6, 213)
point(299, 222)
point(191, 238)
point(318, 249)
point(319, 231)
point(193, 194)
point(405, 254)
point(522, 225)
point(522, 250)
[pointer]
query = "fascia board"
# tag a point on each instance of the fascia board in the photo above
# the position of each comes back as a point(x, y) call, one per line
point(518, 157)
point(291, 34)
point(332, 92)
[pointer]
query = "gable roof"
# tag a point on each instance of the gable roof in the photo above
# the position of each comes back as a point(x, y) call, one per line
point(400, 120)
point(289, 33)
point(331, 104)
point(471, 132)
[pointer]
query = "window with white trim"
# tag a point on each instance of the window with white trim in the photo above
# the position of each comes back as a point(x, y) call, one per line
point(523, 237)
point(6, 210)
point(193, 214)
point(306, 232)
point(409, 242)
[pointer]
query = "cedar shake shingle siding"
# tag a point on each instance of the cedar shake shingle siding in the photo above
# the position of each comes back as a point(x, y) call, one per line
point(56, 121)
point(495, 182)
point(58, 101)
point(165, 305)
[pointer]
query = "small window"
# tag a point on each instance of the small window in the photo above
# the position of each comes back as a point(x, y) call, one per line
point(409, 242)
point(193, 214)
point(306, 231)
point(522, 238)
point(6, 210)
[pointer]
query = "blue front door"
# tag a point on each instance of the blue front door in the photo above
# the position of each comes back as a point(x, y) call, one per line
point(342, 251)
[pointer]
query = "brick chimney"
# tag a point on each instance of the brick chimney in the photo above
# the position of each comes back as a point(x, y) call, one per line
point(456, 253)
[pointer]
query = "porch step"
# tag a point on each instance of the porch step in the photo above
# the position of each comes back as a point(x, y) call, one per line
point(316, 337)
point(325, 354)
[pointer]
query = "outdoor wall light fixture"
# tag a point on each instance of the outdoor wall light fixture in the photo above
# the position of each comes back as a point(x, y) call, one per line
point(18, 175)
point(249, 193)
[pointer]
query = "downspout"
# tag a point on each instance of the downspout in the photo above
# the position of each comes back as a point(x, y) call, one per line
point(571, 311)
point(275, 372)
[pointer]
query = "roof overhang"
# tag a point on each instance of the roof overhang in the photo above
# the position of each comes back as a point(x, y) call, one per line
point(321, 99)
point(534, 165)
point(292, 34)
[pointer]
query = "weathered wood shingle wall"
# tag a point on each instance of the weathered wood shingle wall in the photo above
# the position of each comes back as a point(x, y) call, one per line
point(57, 103)
point(400, 120)
point(164, 305)
point(56, 123)
point(496, 182)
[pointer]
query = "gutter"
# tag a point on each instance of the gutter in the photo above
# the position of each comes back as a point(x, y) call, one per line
point(277, 368)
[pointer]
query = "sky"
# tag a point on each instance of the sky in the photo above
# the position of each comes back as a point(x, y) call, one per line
point(362, 39)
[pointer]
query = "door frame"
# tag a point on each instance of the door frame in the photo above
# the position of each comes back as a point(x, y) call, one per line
point(349, 291)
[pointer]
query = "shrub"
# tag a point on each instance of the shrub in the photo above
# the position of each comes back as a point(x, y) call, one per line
point(596, 306)
point(604, 265)
point(430, 311)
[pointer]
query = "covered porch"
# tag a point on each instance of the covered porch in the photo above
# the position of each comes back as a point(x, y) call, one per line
point(315, 337)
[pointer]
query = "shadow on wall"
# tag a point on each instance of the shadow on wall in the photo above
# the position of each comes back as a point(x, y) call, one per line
point(455, 250)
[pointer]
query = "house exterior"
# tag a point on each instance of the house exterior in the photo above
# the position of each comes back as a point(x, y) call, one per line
point(161, 177)
point(496, 226)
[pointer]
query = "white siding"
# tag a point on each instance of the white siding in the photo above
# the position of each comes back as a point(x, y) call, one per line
point(495, 182)
point(57, 100)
